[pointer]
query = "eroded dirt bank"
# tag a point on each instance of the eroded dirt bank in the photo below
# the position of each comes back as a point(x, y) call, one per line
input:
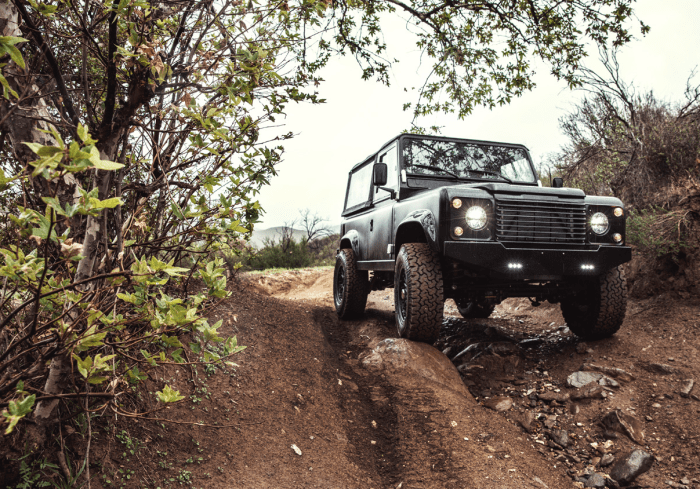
point(310, 404)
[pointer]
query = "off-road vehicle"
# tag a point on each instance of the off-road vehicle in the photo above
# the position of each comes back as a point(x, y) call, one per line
point(438, 218)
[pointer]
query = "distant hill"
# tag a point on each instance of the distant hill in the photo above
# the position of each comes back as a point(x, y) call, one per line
point(260, 235)
point(275, 233)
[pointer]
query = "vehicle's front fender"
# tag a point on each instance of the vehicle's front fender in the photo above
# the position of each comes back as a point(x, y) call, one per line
point(419, 226)
point(351, 240)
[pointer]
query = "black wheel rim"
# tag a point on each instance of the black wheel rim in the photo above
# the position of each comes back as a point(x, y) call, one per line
point(340, 285)
point(402, 299)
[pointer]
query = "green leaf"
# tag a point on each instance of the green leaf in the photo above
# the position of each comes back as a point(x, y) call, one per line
point(169, 395)
point(83, 132)
point(107, 165)
point(6, 88)
point(34, 147)
point(90, 339)
point(108, 203)
point(18, 410)
point(15, 55)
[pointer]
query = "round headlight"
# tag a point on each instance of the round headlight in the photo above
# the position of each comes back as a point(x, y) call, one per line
point(476, 217)
point(457, 203)
point(599, 223)
point(458, 231)
point(618, 212)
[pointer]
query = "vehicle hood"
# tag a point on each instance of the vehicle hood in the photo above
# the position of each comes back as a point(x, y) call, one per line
point(510, 190)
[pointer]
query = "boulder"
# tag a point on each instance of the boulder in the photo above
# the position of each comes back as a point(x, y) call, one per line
point(579, 379)
point(414, 363)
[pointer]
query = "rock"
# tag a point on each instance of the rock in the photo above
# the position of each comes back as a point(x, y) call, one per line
point(581, 348)
point(499, 403)
point(413, 363)
point(574, 409)
point(595, 480)
point(550, 396)
point(618, 373)
point(607, 459)
point(550, 421)
point(560, 437)
point(631, 465)
point(579, 379)
point(592, 390)
point(625, 424)
point(659, 368)
point(687, 387)
point(526, 420)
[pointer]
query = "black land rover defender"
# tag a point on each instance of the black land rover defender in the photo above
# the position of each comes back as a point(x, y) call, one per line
point(438, 218)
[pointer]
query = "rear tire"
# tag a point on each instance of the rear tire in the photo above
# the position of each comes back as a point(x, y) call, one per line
point(600, 311)
point(350, 288)
point(470, 310)
point(418, 293)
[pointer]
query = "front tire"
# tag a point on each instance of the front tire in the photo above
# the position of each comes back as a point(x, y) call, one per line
point(418, 293)
point(349, 286)
point(470, 310)
point(599, 312)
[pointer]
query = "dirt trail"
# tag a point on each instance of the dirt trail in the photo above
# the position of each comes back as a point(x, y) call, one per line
point(302, 383)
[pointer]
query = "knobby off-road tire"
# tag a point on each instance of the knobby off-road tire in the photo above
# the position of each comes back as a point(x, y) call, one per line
point(349, 286)
point(599, 313)
point(418, 293)
point(473, 309)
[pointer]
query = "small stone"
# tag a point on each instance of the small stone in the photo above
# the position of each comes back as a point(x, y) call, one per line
point(687, 387)
point(526, 420)
point(607, 459)
point(574, 409)
point(296, 450)
point(592, 390)
point(595, 480)
point(581, 348)
point(624, 423)
point(659, 368)
point(656, 405)
point(685, 481)
point(579, 379)
point(560, 437)
point(631, 465)
point(550, 396)
point(618, 373)
point(499, 403)
point(550, 421)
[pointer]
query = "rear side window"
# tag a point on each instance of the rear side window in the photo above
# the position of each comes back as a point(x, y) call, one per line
point(358, 190)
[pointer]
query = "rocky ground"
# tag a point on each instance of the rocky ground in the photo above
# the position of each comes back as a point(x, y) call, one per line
point(514, 401)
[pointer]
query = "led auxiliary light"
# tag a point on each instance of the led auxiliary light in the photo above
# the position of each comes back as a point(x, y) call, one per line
point(618, 212)
point(458, 231)
point(515, 266)
point(476, 217)
point(456, 203)
point(617, 237)
point(587, 267)
point(599, 223)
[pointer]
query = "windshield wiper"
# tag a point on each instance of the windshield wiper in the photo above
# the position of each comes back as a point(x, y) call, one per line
point(436, 168)
point(494, 173)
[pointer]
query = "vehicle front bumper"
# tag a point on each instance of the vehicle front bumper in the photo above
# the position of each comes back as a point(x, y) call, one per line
point(494, 259)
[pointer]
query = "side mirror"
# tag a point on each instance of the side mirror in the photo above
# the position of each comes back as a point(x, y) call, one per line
point(558, 182)
point(379, 174)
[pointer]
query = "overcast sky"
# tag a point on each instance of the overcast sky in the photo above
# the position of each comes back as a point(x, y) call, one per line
point(359, 116)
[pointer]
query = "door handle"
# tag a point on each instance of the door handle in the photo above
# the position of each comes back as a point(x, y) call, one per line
point(371, 225)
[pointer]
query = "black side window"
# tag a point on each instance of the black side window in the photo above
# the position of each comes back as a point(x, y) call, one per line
point(391, 158)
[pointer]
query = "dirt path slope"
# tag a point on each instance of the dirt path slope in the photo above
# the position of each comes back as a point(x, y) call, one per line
point(310, 405)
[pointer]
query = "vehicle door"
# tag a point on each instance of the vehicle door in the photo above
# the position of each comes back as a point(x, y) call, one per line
point(382, 217)
point(358, 207)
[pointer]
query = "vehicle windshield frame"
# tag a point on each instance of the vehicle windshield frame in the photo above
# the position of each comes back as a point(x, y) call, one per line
point(487, 150)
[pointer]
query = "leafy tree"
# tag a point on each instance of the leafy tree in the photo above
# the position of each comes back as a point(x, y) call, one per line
point(132, 146)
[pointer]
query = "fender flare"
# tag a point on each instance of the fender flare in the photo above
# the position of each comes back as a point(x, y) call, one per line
point(351, 240)
point(422, 219)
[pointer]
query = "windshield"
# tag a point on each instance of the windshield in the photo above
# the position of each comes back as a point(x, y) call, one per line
point(466, 160)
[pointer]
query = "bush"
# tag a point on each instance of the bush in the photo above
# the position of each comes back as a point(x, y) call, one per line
point(657, 232)
point(276, 255)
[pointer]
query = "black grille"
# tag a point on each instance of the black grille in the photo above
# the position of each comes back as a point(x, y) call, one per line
point(541, 222)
